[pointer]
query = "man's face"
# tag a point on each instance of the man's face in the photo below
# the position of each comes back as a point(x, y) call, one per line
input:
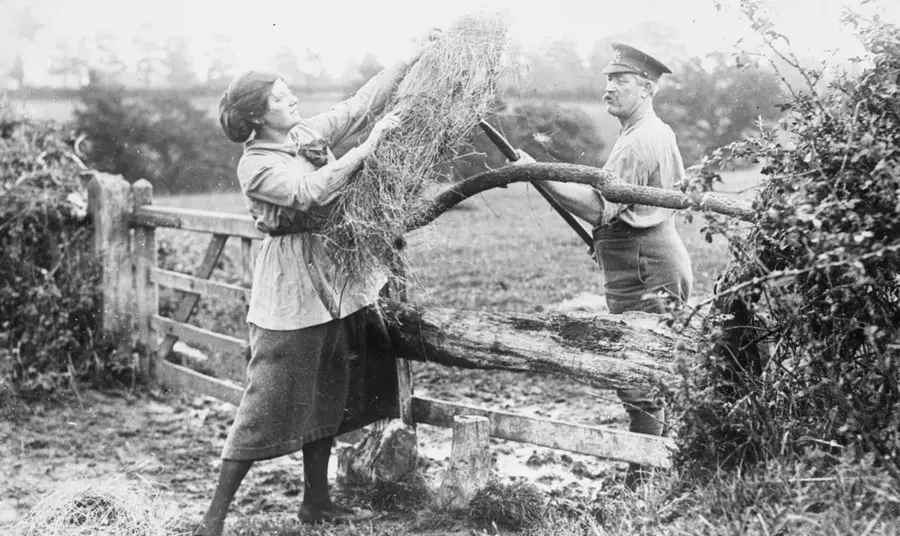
point(624, 94)
point(283, 113)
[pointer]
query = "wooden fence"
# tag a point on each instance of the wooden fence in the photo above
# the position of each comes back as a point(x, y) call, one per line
point(126, 221)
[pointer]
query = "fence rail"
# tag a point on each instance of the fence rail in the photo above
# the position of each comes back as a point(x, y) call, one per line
point(126, 224)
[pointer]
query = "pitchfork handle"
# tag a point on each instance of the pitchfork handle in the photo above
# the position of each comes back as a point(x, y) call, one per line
point(510, 153)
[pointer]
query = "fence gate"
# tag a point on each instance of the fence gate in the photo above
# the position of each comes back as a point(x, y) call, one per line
point(126, 221)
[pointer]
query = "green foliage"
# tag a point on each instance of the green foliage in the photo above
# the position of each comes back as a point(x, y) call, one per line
point(158, 136)
point(48, 277)
point(803, 352)
point(546, 130)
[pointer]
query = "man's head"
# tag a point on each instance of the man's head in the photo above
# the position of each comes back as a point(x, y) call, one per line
point(631, 80)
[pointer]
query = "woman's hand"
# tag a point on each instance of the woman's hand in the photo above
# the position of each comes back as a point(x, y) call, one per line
point(387, 123)
point(423, 44)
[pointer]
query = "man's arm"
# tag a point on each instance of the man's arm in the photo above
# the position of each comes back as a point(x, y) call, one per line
point(581, 200)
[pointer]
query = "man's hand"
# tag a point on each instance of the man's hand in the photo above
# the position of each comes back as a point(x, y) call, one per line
point(524, 158)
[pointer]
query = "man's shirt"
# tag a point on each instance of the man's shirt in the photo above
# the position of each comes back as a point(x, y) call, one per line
point(645, 154)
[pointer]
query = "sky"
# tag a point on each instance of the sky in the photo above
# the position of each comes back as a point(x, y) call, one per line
point(343, 31)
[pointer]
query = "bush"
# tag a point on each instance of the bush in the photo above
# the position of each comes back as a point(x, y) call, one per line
point(48, 276)
point(803, 354)
point(160, 137)
point(545, 130)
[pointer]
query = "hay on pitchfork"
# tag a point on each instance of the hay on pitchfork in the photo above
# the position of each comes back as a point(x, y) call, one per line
point(115, 507)
point(443, 96)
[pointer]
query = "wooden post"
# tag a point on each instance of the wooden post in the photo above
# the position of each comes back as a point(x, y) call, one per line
point(470, 462)
point(397, 290)
point(111, 203)
point(146, 291)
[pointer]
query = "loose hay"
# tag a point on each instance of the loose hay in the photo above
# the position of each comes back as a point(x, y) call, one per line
point(100, 508)
point(515, 506)
point(443, 96)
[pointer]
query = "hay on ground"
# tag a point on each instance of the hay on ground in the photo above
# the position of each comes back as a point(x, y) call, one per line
point(117, 507)
point(514, 505)
point(443, 96)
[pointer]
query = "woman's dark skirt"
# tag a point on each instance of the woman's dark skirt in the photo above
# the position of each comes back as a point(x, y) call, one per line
point(312, 383)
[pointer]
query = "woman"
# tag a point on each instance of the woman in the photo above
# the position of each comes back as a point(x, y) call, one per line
point(313, 370)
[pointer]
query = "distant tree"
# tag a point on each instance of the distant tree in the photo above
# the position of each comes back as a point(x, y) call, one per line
point(179, 62)
point(317, 75)
point(714, 101)
point(556, 70)
point(20, 28)
point(105, 61)
point(221, 60)
point(598, 59)
point(68, 63)
point(361, 72)
point(287, 64)
point(151, 65)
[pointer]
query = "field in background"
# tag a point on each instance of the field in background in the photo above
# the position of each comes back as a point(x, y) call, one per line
point(507, 250)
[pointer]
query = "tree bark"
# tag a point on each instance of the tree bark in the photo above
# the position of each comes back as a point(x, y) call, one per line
point(606, 351)
point(609, 184)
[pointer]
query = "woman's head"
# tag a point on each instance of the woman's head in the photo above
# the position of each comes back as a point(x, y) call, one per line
point(255, 101)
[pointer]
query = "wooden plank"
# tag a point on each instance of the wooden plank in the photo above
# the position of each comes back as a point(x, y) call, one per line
point(203, 221)
point(146, 290)
point(582, 439)
point(203, 287)
point(172, 375)
point(189, 300)
point(246, 261)
point(224, 344)
point(405, 391)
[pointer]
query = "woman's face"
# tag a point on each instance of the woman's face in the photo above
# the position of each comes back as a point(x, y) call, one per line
point(283, 113)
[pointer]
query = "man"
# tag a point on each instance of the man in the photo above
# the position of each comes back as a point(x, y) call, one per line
point(644, 261)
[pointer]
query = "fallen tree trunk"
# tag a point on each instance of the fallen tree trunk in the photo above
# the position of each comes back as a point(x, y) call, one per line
point(606, 351)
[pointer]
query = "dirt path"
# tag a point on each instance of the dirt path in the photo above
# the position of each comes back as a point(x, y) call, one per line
point(173, 440)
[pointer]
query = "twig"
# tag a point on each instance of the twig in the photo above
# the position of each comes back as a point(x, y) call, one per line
point(73, 380)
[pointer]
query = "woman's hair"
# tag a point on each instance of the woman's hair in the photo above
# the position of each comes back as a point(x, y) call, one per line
point(247, 98)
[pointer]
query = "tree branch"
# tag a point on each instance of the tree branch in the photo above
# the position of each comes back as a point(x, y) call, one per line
point(609, 185)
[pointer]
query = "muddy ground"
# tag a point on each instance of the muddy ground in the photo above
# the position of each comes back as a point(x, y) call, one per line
point(173, 441)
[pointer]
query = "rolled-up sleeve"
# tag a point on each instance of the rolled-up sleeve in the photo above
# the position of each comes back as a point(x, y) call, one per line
point(349, 116)
point(630, 168)
point(294, 184)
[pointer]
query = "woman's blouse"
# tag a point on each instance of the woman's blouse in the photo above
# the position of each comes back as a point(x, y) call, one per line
point(296, 282)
